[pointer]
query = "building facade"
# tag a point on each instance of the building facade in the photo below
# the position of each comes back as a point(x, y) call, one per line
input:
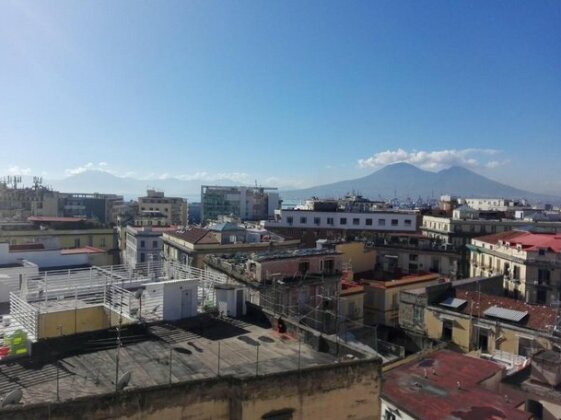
point(247, 203)
point(144, 244)
point(530, 263)
point(173, 208)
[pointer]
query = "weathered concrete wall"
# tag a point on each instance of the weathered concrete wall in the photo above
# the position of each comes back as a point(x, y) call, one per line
point(338, 391)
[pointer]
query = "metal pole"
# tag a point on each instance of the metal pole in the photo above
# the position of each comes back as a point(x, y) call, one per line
point(117, 359)
point(170, 361)
point(299, 349)
point(219, 358)
point(257, 361)
point(57, 368)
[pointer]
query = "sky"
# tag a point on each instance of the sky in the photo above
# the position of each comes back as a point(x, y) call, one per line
point(288, 93)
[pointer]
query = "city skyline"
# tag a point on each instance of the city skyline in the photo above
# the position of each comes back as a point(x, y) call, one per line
point(291, 95)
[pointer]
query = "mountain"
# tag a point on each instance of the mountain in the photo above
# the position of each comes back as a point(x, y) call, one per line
point(103, 182)
point(406, 180)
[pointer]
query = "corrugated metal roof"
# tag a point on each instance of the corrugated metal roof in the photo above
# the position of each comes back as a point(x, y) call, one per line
point(453, 302)
point(506, 314)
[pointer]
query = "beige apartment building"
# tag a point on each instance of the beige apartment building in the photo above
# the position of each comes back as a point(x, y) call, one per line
point(530, 263)
point(172, 209)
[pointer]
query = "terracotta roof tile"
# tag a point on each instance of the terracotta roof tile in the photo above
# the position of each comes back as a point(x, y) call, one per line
point(529, 241)
point(438, 397)
point(540, 318)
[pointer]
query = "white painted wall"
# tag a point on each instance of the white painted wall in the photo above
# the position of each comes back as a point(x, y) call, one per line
point(226, 301)
point(388, 407)
point(381, 221)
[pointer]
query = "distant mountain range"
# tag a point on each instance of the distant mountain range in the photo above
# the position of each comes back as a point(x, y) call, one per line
point(403, 180)
point(103, 182)
point(399, 180)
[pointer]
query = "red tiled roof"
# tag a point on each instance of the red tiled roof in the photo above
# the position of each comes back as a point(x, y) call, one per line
point(26, 247)
point(438, 397)
point(195, 235)
point(55, 219)
point(83, 250)
point(540, 318)
point(528, 240)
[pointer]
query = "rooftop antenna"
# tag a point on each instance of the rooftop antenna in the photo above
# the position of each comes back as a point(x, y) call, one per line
point(37, 182)
point(13, 397)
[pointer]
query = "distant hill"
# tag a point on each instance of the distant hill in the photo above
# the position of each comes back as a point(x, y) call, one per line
point(103, 182)
point(405, 180)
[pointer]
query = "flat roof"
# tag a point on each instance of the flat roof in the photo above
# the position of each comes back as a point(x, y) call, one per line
point(413, 279)
point(82, 250)
point(87, 362)
point(437, 396)
point(56, 219)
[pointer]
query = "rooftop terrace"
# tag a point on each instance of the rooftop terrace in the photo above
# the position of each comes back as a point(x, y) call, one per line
point(163, 353)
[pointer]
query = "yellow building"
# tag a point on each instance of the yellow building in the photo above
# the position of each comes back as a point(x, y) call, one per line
point(357, 256)
point(381, 304)
point(62, 233)
point(491, 324)
point(530, 263)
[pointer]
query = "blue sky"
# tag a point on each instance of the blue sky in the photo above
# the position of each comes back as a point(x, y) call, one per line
point(289, 93)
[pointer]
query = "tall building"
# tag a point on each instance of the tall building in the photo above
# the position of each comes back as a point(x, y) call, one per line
point(247, 203)
point(174, 209)
point(92, 206)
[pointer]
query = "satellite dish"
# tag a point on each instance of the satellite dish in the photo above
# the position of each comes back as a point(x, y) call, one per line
point(13, 397)
point(123, 381)
point(138, 293)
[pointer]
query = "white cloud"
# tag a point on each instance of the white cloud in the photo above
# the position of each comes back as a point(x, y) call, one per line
point(240, 177)
point(433, 160)
point(17, 170)
point(90, 166)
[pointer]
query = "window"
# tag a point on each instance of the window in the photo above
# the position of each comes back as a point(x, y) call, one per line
point(417, 315)
point(142, 244)
point(388, 415)
point(142, 257)
point(303, 267)
point(541, 251)
point(317, 220)
point(330, 221)
point(413, 257)
point(289, 220)
point(381, 222)
point(356, 221)
point(368, 222)
point(102, 242)
point(154, 244)
point(77, 243)
point(343, 221)
point(408, 222)
point(303, 220)
point(447, 327)
point(395, 222)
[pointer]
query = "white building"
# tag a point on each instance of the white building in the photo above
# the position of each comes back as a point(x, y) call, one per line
point(144, 244)
point(376, 221)
point(493, 204)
